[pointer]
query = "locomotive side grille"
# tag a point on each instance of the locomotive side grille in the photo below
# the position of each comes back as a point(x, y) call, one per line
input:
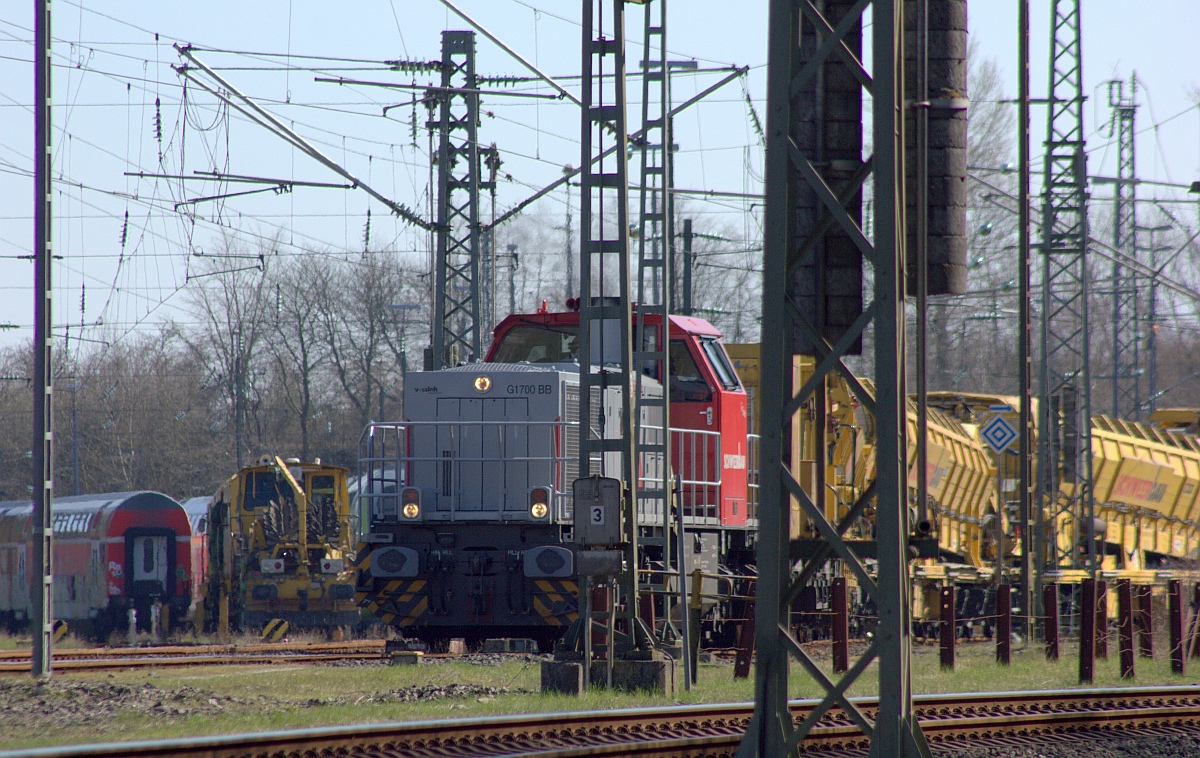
point(570, 443)
point(570, 449)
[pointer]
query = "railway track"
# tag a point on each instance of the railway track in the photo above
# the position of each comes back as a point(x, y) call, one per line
point(699, 730)
point(108, 659)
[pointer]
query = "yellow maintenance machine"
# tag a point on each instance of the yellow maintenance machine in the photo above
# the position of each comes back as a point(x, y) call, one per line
point(961, 536)
point(1146, 486)
point(279, 549)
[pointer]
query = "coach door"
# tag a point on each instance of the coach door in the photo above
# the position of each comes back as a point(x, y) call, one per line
point(150, 565)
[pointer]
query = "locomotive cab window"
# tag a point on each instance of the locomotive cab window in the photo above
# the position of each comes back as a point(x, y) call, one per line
point(687, 382)
point(260, 490)
point(720, 363)
point(322, 490)
point(536, 343)
point(322, 484)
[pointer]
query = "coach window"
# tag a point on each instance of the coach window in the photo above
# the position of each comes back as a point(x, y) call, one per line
point(322, 505)
point(687, 383)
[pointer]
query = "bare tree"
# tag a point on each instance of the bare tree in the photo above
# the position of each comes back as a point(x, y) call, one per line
point(297, 349)
point(355, 320)
point(231, 299)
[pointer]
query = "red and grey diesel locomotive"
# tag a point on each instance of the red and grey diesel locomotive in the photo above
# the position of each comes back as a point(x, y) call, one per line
point(112, 553)
point(470, 518)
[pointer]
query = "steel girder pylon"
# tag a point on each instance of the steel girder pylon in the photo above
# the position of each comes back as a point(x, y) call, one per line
point(456, 312)
point(1126, 322)
point(656, 276)
point(1064, 481)
point(605, 308)
point(812, 237)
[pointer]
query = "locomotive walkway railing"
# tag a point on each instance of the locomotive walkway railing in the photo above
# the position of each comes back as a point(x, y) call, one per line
point(479, 470)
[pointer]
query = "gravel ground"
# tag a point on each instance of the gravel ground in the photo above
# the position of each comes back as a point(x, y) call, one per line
point(1101, 745)
point(62, 704)
point(429, 692)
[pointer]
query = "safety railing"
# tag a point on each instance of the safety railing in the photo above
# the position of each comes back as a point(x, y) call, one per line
point(696, 462)
point(486, 469)
point(470, 469)
point(752, 464)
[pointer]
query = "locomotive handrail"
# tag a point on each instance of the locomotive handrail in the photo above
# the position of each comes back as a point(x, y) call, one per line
point(401, 461)
point(699, 471)
point(384, 464)
point(752, 443)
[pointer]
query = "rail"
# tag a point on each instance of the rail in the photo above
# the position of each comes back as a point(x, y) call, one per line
point(171, 656)
point(711, 730)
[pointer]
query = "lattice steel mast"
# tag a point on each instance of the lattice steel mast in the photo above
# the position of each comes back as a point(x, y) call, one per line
point(1064, 392)
point(456, 301)
point(812, 303)
point(656, 238)
point(1126, 322)
point(41, 574)
point(605, 312)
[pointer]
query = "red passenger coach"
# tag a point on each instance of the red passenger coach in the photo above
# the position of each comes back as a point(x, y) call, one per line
point(705, 394)
point(112, 552)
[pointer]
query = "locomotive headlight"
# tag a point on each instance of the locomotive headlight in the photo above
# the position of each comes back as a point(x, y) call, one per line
point(412, 502)
point(482, 383)
point(539, 502)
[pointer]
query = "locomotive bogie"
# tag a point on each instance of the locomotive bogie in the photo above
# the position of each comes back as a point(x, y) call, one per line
point(464, 580)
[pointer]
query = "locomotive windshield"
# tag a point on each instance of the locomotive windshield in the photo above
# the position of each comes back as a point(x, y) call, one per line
point(542, 343)
point(720, 363)
point(536, 343)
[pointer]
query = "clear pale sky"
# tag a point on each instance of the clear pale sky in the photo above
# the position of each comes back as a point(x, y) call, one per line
point(112, 69)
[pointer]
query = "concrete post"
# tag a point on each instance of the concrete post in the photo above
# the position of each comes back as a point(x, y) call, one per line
point(948, 628)
point(841, 626)
point(1125, 626)
point(1175, 623)
point(1050, 606)
point(1087, 632)
point(1004, 623)
point(1145, 615)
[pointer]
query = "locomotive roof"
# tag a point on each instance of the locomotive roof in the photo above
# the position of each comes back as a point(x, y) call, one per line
point(533, 368)
point(687, 324)
point(140, 500)
point(197, 505)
